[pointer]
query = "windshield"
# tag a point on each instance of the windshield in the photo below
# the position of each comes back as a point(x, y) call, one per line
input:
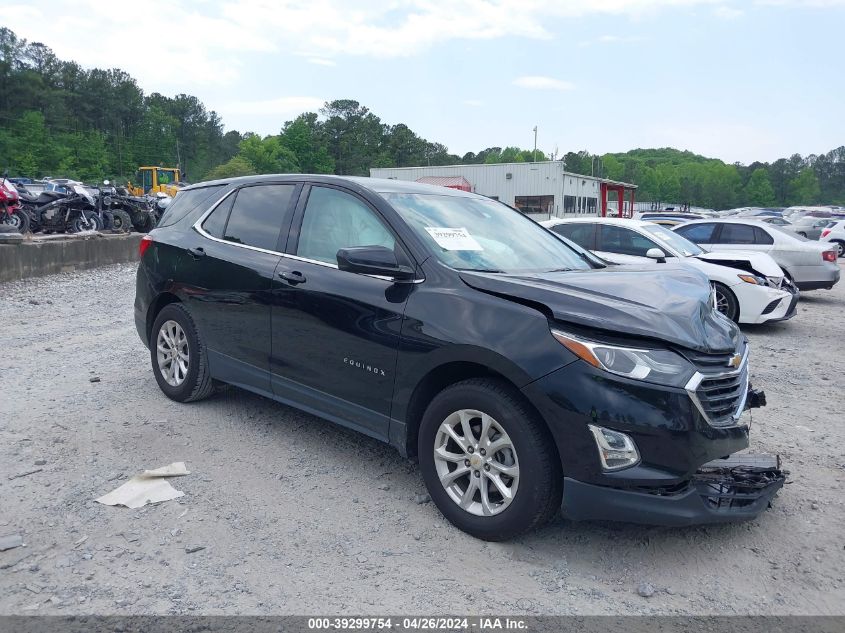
point(484, 235)
point(674, 240)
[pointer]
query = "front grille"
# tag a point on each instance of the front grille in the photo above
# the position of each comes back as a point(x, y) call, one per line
point(721, 397)
point(719, 390)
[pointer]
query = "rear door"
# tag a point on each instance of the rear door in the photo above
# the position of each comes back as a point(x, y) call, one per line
point(582, 233)
point(702, 234)
point(227, 276)
point(742, 237)
point(335, 333)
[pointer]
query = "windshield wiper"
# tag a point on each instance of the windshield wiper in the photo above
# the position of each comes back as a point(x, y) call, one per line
point(481, 270)
point(560, 270)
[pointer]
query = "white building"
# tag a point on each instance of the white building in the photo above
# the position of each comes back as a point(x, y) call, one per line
point(541, 188)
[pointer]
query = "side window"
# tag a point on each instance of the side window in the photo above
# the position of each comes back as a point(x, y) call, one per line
point(258, 215)
point(581, 233)
point(697, 233)
point(761, 237)
point(737, 234)
point(334, 220)
point(616, 239)
point(215, 223)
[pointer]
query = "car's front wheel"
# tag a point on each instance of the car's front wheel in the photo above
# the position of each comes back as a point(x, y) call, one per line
point(488, 461)
point(726, 302)
point(178, 356)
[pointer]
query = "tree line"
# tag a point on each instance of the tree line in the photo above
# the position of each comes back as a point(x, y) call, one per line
point(59, 119)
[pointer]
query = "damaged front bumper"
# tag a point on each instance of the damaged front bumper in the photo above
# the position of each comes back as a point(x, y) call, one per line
point(737, 488)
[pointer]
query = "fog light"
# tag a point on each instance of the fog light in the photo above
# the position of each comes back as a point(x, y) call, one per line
point(616, 450)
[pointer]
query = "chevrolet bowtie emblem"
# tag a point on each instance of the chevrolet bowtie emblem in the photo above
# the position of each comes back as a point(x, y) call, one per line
point(735, 360)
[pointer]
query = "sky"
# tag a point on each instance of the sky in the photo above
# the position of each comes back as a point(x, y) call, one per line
point(740, 80)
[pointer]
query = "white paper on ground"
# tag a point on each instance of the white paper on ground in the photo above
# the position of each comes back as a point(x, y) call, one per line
point(457, 239)
point(148, 487)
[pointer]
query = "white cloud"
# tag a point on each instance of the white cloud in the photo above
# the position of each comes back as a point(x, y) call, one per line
point(282, 106)
point(535, 82)
point(728, 13)
point(322, 61)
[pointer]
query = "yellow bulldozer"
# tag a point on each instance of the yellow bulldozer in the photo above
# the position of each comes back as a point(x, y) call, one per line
point(152, 180)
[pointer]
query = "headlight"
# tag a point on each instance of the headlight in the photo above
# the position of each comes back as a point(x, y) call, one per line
point(754, 279)
point(660, 366)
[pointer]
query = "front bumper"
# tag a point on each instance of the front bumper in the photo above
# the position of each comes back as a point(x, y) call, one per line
point(738, 488)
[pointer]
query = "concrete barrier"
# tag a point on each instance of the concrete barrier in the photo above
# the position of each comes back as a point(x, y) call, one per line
point(55, 254)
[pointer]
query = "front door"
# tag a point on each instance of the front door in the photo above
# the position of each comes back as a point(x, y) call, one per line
point(230, 266)
point(335, 333)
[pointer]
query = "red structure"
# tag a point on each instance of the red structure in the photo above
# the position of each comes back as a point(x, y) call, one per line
point(452, 182)
point(618, 189)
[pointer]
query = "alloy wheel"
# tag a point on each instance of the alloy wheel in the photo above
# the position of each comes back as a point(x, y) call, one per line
point(722, 304)
point(172, 353)
point(476, 462)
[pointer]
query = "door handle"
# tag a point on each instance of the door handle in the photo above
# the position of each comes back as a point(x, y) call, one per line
point(294, 277)
point(197, 252)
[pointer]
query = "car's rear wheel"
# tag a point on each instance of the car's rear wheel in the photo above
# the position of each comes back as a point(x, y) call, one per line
point(488, 461)
point(178, 356)
point(840, 248)
point(726, 302)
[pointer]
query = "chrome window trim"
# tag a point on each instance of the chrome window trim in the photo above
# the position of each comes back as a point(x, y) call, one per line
point(197, 226)
point(695, 382)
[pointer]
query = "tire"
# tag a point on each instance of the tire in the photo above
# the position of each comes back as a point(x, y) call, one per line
point(802, 234)
point(195, 383)
point(840, 247)
point(537, 487)
point(18, 219)
point(121, 221)
point(142, 222)
point(78, 223)
point(726, 302)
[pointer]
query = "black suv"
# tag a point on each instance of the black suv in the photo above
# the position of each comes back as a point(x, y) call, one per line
point(520, 371)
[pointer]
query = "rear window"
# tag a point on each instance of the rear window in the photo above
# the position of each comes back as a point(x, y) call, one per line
point(580, 233)
point(186, 201)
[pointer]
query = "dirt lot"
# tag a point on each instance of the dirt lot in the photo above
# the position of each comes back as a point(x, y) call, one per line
point(296, 515)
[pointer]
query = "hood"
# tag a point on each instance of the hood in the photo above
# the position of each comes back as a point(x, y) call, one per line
point(673, 305)
point(760, 262)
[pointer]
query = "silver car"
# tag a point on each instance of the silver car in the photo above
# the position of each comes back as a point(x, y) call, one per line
point(810, 265)
point(809, 226)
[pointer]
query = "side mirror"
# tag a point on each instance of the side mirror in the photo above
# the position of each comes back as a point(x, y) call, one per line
point(373, 260)
point(656, 254)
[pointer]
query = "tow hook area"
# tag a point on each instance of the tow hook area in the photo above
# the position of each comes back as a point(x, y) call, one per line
point(743, 482)
point(756, 399)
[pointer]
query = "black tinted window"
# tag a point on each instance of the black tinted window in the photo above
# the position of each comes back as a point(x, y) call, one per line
point(581, 234)
point(616, 239)
point(737, 234)
point(187, 201)
point(216, 222)
point(761, 237)
point(697, 233)
point(258, 215)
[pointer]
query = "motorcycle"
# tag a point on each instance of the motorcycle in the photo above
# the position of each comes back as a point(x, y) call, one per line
point(70, 209)
point(11, 212)
point(110, 208)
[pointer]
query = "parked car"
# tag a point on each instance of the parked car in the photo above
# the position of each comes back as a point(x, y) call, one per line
point(749, 287)
point(835, 233)
point(809, 226)
point(467, 336)
point(809, 265)
point(774, 220)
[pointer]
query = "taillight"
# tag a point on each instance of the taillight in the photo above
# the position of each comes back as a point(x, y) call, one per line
point(826, 232)
point(829, 256)
point(144, 244)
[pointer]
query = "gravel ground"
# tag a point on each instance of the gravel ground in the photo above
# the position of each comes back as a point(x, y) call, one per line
point(296, 515)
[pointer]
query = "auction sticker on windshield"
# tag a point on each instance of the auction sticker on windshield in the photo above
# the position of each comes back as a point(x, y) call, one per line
point(453, 239)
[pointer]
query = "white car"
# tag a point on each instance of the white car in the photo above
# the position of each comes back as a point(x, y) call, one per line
point(836, 235)
point(810, 265)
point(749, 287)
